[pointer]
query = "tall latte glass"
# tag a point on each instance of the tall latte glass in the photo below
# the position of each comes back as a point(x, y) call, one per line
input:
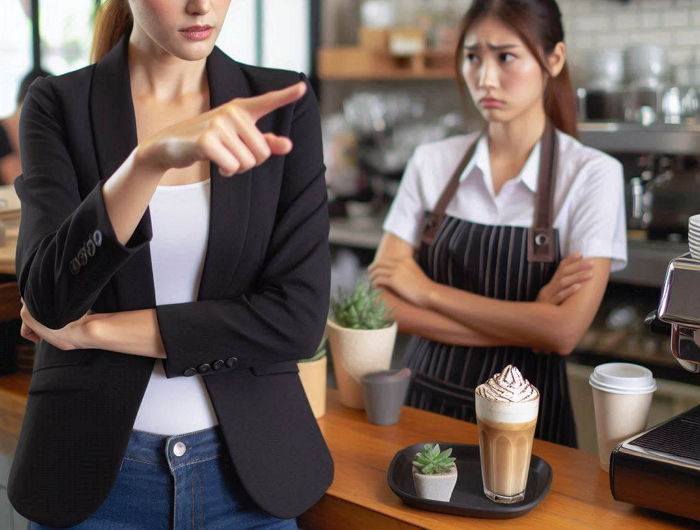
point(506, 413)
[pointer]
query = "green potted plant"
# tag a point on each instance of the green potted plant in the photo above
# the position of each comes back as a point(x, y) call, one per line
point(313, 372)
point(362, 337)
point(434, 473)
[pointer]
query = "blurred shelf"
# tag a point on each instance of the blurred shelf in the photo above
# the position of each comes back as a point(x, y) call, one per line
point(356, 64)
point(647, 262)
point(357, 233)
point(667, 369)
point(646, 267)
point(616, 137)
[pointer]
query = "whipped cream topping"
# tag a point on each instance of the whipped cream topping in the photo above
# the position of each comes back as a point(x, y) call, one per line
point(508, 386)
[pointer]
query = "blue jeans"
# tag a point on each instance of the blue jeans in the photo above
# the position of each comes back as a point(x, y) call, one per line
point(180, 482)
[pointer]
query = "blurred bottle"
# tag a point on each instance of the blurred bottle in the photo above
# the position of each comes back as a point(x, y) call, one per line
point(446, 32)
point(425, 20)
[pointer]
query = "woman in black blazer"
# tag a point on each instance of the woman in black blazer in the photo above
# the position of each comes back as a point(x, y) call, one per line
point(86, 277)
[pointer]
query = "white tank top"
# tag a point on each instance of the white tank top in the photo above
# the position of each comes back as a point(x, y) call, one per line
point(180, 220)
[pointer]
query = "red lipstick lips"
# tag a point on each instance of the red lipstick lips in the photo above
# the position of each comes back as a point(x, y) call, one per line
point(197, 32)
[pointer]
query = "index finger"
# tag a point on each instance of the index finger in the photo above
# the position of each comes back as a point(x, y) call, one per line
point(258, 106)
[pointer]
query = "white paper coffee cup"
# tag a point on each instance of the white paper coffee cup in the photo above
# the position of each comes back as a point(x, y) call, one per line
point(622, 395)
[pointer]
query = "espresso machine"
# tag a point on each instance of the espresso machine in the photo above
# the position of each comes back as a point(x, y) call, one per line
point(660, 468)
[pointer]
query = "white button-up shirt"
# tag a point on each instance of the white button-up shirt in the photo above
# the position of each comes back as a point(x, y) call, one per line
point(589, 200)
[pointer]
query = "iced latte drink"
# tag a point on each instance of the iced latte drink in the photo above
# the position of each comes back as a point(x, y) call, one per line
point(506, 413)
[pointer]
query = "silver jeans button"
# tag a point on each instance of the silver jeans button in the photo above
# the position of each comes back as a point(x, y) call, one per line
point(179, 449)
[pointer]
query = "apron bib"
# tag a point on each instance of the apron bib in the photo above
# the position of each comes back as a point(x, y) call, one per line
point(502, 262)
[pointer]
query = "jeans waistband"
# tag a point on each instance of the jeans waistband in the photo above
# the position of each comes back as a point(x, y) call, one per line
point(175, 450)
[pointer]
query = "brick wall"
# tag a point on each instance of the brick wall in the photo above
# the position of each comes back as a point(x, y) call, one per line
point(588, 24)
point(600, 24)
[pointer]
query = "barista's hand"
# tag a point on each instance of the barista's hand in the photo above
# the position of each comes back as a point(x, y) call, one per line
point(68, 337)
point(402, 276)
point(226, 135)
point(570, 274)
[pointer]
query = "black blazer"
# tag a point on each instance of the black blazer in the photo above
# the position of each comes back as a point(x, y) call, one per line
point(262, 303)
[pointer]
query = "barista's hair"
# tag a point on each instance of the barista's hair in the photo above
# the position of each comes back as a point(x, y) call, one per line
point(538, 23)
point(112, 20)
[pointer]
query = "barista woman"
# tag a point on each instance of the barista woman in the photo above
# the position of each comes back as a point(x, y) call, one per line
point(471, 260)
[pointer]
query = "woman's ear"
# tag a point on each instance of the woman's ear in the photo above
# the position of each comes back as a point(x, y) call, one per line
point(557, 59)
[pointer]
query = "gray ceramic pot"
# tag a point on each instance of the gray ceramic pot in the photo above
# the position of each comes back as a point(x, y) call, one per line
point(384, 393)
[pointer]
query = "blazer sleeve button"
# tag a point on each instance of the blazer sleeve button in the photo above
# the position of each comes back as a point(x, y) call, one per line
point(90, 247)
point(216, 365)
point(82, 256)
point(74, 266)
point(97, 237)
point(232, 362)
point(190, 372)
point(203, 368)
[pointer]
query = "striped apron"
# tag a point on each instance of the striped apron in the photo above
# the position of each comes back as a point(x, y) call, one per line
point(498, 262)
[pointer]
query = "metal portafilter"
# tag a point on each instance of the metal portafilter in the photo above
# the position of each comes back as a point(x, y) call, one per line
point(679, 311)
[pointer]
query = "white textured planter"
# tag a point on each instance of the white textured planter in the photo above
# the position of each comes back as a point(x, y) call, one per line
point(357, 352)
point(435, 487)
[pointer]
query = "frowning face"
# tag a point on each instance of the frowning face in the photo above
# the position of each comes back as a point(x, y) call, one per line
point(504, 78)
point(184, 28)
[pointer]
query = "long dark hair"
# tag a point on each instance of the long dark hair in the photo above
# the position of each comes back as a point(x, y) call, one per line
point(112, 20)
point(538, 23)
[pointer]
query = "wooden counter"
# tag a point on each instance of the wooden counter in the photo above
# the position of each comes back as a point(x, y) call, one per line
point(360, 498)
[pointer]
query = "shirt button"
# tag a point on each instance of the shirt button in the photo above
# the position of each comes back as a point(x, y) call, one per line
point(216, 365)
point(90, 247)
point(190, 372)
point(231, 362)
point(179, 449)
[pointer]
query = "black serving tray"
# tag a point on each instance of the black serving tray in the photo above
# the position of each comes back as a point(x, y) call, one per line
point(468, 497)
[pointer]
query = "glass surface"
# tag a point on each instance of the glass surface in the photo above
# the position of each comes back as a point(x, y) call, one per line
point(237, 37)
point(286, 42)
point(15, 52)
point(66, 34)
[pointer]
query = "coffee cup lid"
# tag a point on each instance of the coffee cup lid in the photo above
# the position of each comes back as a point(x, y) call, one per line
point(622, 378)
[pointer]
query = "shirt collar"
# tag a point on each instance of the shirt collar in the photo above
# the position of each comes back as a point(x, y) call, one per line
point(480, 163)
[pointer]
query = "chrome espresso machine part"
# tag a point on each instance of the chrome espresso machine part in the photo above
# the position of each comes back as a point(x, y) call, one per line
point(660, 468)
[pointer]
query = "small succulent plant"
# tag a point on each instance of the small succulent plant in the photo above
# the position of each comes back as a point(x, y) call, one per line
point(430, 461)
point(360, 309)
point(320, 352)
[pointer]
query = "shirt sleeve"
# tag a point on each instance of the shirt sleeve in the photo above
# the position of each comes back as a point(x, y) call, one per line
point(597, 228)
point(406, 211)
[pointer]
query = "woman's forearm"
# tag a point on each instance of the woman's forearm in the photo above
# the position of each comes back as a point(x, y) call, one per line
point(520, 323)
point(130, 332)
point(434, 325)
point(10, 168)
point(542, 326)
point(128, 192)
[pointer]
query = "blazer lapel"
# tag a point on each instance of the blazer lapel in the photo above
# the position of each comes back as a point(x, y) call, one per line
point(230, 196)
point(114, 130)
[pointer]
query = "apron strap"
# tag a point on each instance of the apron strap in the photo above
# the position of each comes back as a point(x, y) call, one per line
point(541, 243)
point(433, 220)
point(541, 239)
